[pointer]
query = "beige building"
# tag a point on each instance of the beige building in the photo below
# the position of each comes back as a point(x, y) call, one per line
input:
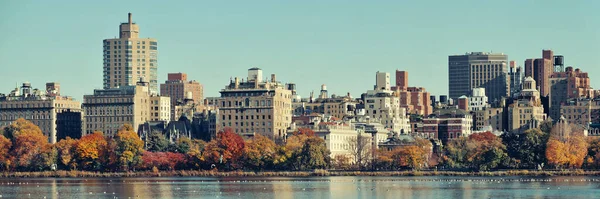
point(57, 116)
point(336, 106)
point(581, 112)
point(526, 112)
point(256, 106)
point(180, 89)
point(160, 108)
point(383, 105)
point(129, 58)
point(109, 109)
point(489, 117)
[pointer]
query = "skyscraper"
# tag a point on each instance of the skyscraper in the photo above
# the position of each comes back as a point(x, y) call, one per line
point(478, 70)
point(129, 58)
point(540, 70)
point(516, 79)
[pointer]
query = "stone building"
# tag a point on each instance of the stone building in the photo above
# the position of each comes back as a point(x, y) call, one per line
point(180, 90)
point(527, 111)
point(256, 106)
point(57, 116)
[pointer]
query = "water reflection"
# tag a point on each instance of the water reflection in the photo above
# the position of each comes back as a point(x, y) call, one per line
point(308, 187)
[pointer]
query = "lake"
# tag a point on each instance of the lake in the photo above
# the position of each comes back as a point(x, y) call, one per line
point(303, 187)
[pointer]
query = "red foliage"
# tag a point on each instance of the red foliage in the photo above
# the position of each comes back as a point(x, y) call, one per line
point(485, 137)
point(305, 131)
point(163, 160)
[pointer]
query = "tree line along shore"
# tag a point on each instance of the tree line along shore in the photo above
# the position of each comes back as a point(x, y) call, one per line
point(560, 149)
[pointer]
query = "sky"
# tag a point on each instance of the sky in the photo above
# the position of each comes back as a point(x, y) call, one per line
point(338, 43)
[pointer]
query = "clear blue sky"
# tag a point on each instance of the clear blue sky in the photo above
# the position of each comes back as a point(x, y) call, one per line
point(338, 43)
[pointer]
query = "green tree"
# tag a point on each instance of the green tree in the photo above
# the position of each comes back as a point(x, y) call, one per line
point(314, 154)
point(181, 145)
point(527, 149)
point(157, 142)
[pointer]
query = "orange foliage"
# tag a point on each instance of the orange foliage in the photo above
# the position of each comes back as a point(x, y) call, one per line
point(28, 143)
point(229, 145)
point(90, 148)
point(5, 145)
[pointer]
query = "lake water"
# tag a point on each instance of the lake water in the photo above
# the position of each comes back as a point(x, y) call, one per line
point(306, 187)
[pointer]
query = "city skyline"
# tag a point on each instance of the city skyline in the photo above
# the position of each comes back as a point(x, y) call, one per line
point(212, 43)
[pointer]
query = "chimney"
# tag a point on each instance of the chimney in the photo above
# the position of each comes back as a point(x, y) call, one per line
point(237, 83)
point(129, 17)
point(273, 78)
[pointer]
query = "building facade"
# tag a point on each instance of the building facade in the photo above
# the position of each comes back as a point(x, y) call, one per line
point(489, 117)
point(416, 100)
point(107, 110)
point(256, 106)
point(526, 112)
point(447, 124)
point(178, 88)
point(540, 70)
point(582, 112)
point(57, 116)
point(160, 108)
point(516, 79)
point(383, 105)
point(478, 70)
point(129, 58)
point(478, 100)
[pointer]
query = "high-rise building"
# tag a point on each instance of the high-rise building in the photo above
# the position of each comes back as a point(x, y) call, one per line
point(478, 70)
point(540, 70)
point(567, 85)
point(129, 58)
point(416, 100)
point(107, 110)
point(177, 87)
point(516, 79)
point(383, 105)
point(57, 116)
point(256, 106)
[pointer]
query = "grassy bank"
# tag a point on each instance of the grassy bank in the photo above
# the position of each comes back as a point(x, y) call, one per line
point(189, 173)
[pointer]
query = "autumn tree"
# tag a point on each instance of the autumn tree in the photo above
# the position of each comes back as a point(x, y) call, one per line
point(567, 146)
point(480, 151)
point(259, 153)
point(129, 148)
point(157, 142)
point(226, 149)
point(5, 146)
point(90, 149)
point(66, 149)
point(592, 160)
point(30, 147)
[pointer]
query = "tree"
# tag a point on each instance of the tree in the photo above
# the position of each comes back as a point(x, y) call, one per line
point(314, 154)
point(593, 157)
point(480, 151)
point(181, 145)
point(259, 153)
point(89, 149)
point(30, 147)
point(157, 142)
point(5, 145)
point(226, 149)
point(129, 148)
point(566, 146)
point(528, 149)
point(360, 147)
point(66, 149)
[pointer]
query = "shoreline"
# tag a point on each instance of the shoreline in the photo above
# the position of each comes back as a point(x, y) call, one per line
point(315, 173)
